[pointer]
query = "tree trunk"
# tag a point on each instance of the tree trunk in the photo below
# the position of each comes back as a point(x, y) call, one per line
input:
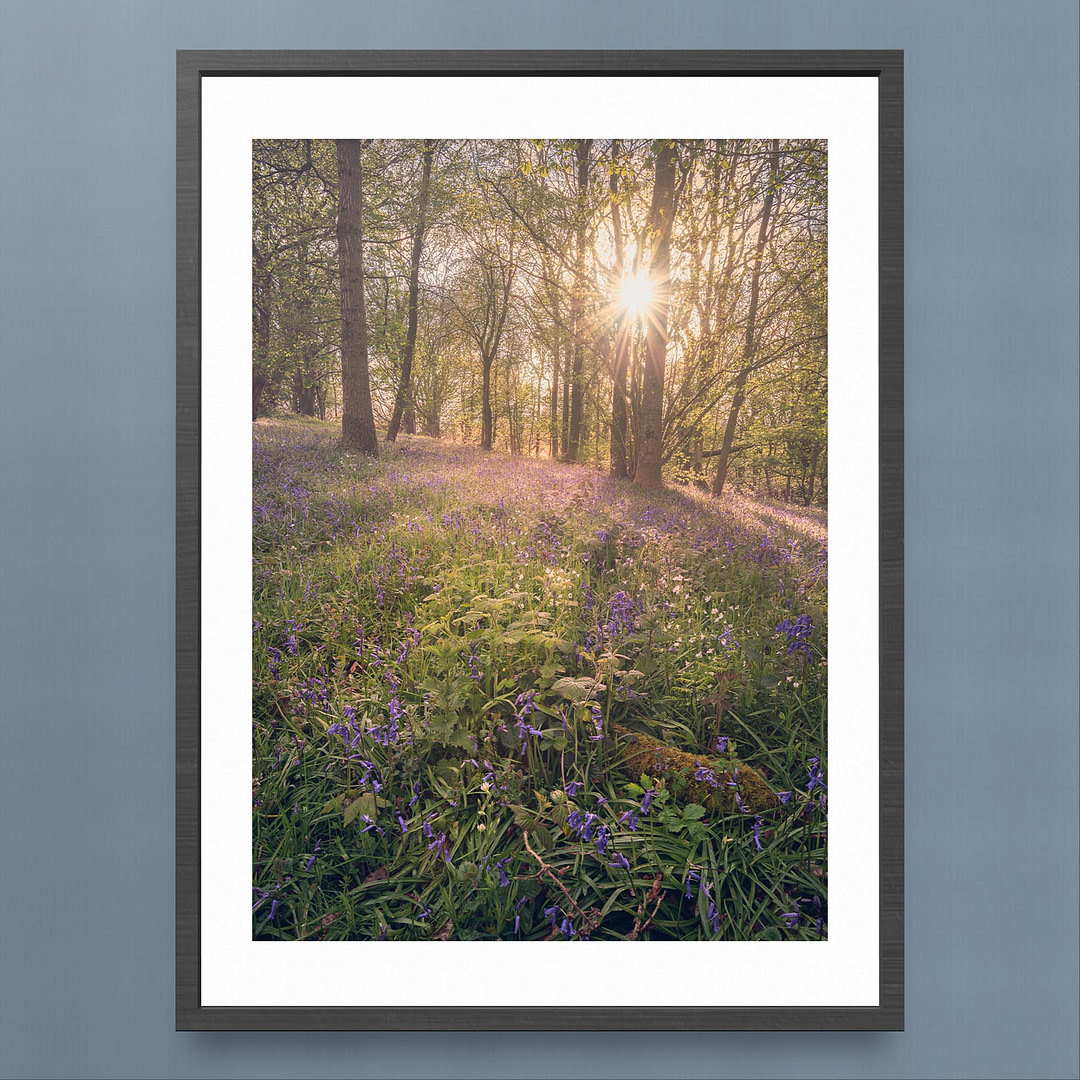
point(749, 342)
point(554, 437)
point(566, 404)
point(258, 385)
point(661, 213)
point(487, 426)
point(619, 468)
point(813, 473)
point(357, 420)
point(577, 302)
point(260, 333)
point(404, 390)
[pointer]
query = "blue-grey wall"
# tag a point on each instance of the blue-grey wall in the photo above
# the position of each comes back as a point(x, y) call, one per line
point(86, 535)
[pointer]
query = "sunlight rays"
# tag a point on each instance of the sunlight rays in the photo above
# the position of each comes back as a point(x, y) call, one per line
point(636, 294)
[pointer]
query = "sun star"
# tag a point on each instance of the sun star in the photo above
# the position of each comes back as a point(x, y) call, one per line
point(636, 293)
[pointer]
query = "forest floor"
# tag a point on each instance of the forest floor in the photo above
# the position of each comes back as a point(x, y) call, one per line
point(478, 682)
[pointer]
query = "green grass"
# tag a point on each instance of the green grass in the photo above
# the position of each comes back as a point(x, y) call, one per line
point(442, 641)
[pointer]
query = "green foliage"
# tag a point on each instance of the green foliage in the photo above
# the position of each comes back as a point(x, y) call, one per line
point(439, 657)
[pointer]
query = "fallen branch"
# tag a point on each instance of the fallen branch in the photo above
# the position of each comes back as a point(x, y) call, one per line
point(588, 922)
point(655, 893)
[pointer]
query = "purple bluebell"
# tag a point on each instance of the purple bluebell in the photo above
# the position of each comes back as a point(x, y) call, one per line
point(757, 832)
point(714, 917)
point(441, 846)
point(619, 862)
point(573, 788)
point(630, 820)
point(707, 775)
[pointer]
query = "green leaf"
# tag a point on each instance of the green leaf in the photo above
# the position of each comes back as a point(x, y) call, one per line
point(693, 812)
point(365, 804)
point(574, 689)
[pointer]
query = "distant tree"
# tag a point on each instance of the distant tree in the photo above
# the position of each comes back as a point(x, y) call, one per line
point(402, 402)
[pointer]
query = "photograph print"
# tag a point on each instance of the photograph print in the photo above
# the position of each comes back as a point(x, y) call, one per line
point(539, 540)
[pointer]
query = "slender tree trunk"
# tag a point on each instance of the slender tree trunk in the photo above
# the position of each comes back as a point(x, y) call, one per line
point(486, 426)
point(260, 332)
point(619, 469)
point(535, 417)
point(813, 473)
point(661, 213)
point(577, 301)
point(566, 404)
point(258, 386)
point(749, 342)
point(554, 435)
point(357, 420)
point(404, 390)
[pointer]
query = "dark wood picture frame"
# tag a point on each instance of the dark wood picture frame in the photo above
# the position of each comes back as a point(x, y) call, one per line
point(887, 67)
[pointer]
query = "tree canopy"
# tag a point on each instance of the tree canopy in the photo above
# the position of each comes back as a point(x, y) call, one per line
point(657, 308)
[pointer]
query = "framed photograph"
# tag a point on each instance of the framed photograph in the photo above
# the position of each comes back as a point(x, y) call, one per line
point(540, 612)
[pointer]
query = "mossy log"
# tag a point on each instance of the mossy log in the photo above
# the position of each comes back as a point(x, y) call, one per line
point(651, 757)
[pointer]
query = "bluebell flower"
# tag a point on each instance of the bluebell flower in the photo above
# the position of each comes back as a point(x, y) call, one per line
point(567, 927)
point(630, 820)
point(721, 744)
point(646, 801)
point(573, 788)
point(403, 824)
point(757, 832)
point(784, 797)
point(441, 846)
point(714, 917)
point(708, 775)
point(273, 909)
point(619, 862)
point(692, 876)
point(791, 918)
